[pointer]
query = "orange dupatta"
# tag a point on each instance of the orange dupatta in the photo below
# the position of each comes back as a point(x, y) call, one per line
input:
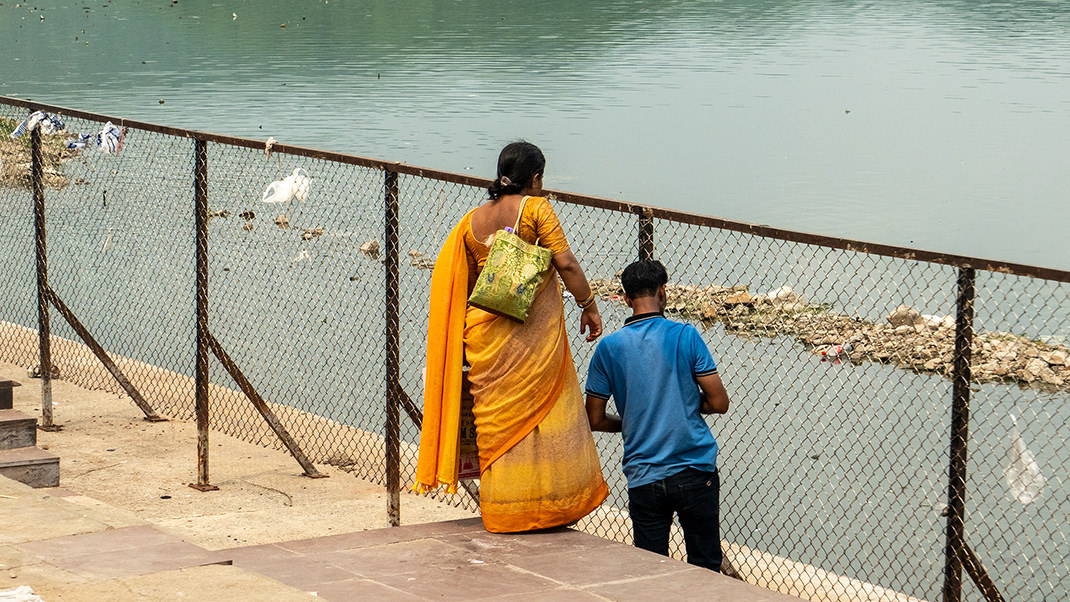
point(437, 464)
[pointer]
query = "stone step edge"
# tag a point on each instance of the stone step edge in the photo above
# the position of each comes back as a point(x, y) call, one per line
point(25, 456)
point(15, 416)
point(17, 430)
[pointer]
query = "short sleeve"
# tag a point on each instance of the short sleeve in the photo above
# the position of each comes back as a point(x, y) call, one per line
point(540, 217)
point(702, 363)
point(597, 376)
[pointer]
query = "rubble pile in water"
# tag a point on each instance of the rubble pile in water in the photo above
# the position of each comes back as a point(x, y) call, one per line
point(907, 338)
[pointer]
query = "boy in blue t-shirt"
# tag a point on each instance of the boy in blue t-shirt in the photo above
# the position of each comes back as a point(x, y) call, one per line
point(662, 378)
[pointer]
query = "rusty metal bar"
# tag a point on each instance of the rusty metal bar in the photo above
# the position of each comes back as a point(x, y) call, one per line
point(410, 408)
point(44, 332)
point(960, 421)
point(200, 210)
point(102, 355)
point(262, 407)
point(646, 235)
point(588, 201)
point(980, 577)
point(417, 418)
point(393, 353)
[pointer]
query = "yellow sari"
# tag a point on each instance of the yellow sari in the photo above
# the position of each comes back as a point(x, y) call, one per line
point(538, 464)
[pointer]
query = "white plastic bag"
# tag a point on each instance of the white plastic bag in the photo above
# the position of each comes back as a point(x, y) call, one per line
point(1021, 470)
point(22, 593)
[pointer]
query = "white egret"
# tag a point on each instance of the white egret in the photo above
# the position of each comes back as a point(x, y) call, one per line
point(293, 186)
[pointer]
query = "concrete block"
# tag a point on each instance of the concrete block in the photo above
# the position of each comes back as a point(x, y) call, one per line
point(17, 430)
point(6, 402)
point(29, 465)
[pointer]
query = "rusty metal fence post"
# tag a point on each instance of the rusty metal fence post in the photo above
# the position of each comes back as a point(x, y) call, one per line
point(43, 329)
point(393, 353)
point(646, 235)
point(200, 210)
point(960, 421)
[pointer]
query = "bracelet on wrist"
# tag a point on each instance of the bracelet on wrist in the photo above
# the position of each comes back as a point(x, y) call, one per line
point(586, 302)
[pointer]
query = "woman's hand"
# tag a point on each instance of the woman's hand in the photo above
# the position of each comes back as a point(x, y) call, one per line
point(591, 322)
point(572, 274)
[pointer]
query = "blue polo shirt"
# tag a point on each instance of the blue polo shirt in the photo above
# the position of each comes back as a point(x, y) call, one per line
point(649, 367)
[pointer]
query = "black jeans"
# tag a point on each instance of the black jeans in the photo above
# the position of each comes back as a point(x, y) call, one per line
point(692, 494)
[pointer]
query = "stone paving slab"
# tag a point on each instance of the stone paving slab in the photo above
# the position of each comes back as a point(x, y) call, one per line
point(200, 583)
point(119, 553)
point(450, 560)
point(458, 560)
point(30, 514)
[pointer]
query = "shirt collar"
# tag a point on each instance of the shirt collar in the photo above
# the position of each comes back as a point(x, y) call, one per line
point(643, 317)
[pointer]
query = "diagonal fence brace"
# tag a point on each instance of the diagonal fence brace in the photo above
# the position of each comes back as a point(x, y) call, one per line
point(972, 564)
point(262, 407)
point(87, 338)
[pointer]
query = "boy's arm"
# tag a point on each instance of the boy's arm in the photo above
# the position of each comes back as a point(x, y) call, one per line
point(597, 417)
point(714, 397)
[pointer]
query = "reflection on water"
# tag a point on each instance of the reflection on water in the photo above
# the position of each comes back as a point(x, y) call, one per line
point(912, 123)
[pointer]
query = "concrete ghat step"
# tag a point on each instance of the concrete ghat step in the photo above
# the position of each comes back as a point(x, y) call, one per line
point(17, 430)
point(30, 465)
point(5, 393)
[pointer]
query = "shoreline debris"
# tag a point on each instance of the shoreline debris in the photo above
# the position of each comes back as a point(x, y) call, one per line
point(16, 162)
point(907, 338)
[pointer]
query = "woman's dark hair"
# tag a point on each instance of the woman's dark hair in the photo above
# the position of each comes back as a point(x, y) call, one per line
point(643, 278)
point(517, 165)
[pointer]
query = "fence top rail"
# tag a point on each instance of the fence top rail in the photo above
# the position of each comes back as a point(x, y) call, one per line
point(959, 261)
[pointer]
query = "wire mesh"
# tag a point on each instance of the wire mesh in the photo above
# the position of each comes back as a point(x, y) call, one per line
point(297, 303)
point(18, 310)
point(833, 457)
point(1021, 372)
point(119, 228)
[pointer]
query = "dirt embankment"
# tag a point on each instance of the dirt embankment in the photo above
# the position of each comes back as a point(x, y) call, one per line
point(15, 159)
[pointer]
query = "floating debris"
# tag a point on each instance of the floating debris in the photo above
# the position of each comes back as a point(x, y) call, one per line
point(248, 226)
point(370, 249)
point(419, 261)
point(309, 233)
point(282, 222)
point(247, 215)
point(15, 160)
point(223, 213)
point(1021, 470)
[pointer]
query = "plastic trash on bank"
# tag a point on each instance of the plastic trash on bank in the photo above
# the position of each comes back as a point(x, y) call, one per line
point(49, 124)
point(22, 593)
point(109, 140)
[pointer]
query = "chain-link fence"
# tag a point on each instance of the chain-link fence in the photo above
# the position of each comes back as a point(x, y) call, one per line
point(898, 417)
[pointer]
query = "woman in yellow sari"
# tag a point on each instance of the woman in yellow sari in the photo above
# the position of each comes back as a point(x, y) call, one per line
point(538, 463)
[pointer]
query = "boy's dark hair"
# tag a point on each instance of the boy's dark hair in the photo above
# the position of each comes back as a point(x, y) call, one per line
point(643, 278)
